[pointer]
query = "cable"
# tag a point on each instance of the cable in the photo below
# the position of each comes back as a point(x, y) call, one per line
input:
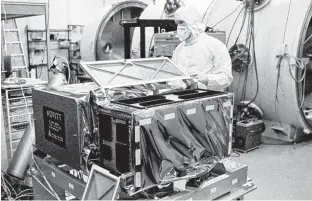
point(207, 10)
point(33, 176)
point(5, 187)
point(227, 15)
point(276, 89)
point(20, 193)
point(45, 179)
point(287, 20)
point(243, 24)
point(24, 196)
point(308, 39)
point(250, 59)
point(248, 39)
point(234, 25)
point(254, 54)
point(300, 65)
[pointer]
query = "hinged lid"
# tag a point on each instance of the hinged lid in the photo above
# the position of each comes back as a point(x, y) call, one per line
point(131, 72)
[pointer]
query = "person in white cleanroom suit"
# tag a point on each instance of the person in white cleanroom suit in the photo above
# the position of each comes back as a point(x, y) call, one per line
point(200, 55)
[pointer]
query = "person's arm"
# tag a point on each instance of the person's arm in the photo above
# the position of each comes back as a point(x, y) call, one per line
point(220, 75)
point(177, 55)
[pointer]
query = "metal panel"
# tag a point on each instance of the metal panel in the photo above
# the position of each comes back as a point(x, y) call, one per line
point(70, 150)
point(60, 178)
point(12, 9)
point(111, 74)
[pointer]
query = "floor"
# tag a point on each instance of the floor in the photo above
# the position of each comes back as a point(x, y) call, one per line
point(281, 172)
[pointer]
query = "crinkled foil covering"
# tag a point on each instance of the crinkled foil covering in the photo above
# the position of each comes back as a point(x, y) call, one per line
point(186, 146)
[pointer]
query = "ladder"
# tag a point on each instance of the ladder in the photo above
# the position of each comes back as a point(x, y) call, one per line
point(13, 45)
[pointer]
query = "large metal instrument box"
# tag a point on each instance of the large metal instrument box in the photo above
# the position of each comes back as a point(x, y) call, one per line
point(147, 139)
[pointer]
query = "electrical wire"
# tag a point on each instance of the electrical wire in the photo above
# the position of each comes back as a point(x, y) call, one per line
point(227, 15)
point(6, 189)
point(243, 24)
point(301, 65)
point(33, 176)
point(207, 10)
point(250, 59)
point(234, 25)
point(24, 196)
point(308, 39)
point(45, 179)
point(279, 66)
point(10, 191)
point(20, 193)
point(248, 39)
point(287, 20)
point(276, 89)
point(254, 53)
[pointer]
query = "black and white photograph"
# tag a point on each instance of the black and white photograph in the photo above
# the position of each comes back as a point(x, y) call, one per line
point(156, 100)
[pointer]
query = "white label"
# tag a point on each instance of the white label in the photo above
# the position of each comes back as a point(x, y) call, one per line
point(234, 181)
point(137, 136)
point(191, 111)
point(190, 199)
point(230, 139)
point(138, 179)
point(213, 190)
point(138, 157)
point(169, 116)
point(231, 112)
point(231, 130)
point(71, 186)
point(210, 107)
point(145, 122)
point(230, 147)
point(227, 104)
point(53, 174)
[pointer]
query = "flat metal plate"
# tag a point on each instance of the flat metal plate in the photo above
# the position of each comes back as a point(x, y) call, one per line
point(121, 73)
point(16, 9)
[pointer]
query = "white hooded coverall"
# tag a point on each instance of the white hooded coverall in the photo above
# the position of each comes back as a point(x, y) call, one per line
point(204, 55)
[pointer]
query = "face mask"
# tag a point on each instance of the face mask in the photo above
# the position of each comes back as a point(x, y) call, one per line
point(182, 32)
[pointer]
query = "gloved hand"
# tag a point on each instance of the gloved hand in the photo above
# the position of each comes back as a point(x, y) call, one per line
point(203, 78)
point(190, 84)
point(177, 84)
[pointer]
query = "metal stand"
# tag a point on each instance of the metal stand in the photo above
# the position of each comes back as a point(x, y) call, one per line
point(231, 185)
